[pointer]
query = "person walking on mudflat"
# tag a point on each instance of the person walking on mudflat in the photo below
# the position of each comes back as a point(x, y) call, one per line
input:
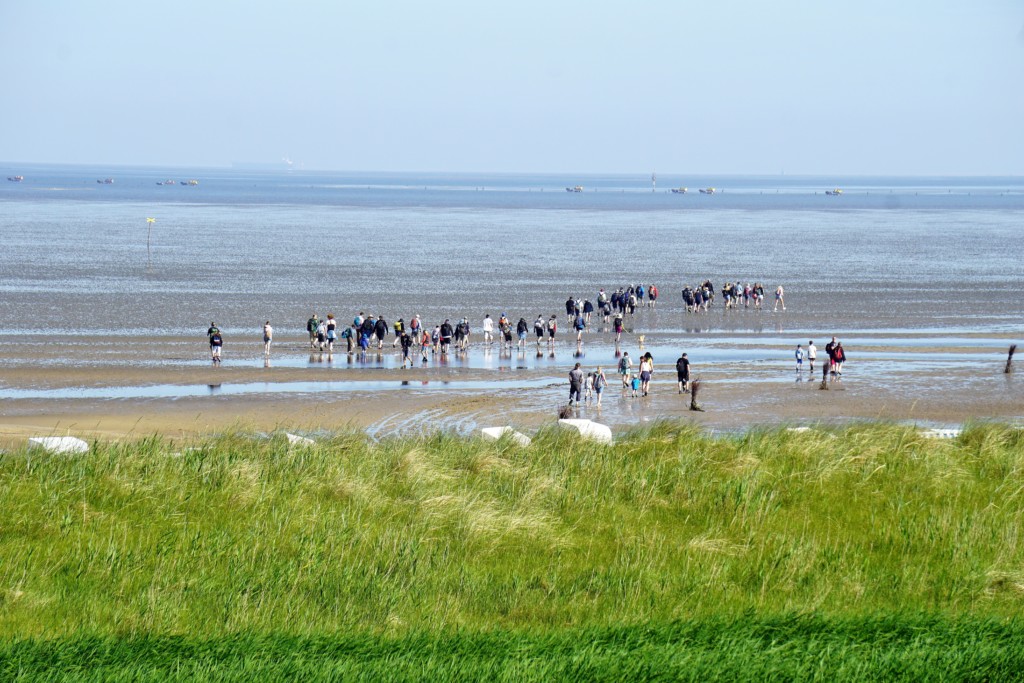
point(268, 337)
point(780, 298)
point(812, 353)
point(216, 343)
point(646, 368)
point(538, 328)
point(625, 368)
point(600, 382)
point(683, 373)
point(575, 384)
point(311, 326)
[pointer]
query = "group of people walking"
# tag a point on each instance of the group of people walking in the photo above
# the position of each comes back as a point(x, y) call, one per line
point(636, 380)
point(700, 298)
point(835, 353)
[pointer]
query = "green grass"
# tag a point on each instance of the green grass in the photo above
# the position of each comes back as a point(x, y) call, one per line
point(894, 649)
point(867, 551)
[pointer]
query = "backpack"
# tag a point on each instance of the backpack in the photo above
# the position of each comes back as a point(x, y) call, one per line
point(216, 340)
point(599, 381)
point(623, 364)
point(579, 323)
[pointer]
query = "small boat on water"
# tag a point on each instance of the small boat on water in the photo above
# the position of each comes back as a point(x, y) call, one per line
point(834, 193)
point(679, 190)
point(167, 182)
point(707, 190)
point(577, 188)
point(190, 182)
point(15, 178)
point(105, 181)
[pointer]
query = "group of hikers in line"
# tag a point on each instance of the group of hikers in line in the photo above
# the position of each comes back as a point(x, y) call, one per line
point(367, 331)
point(638, 382)
point(699, 298)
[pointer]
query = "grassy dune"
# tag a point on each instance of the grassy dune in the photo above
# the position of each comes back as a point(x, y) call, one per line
point(865, 551)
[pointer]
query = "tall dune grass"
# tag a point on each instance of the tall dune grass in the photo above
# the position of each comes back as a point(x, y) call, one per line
point(446, 535)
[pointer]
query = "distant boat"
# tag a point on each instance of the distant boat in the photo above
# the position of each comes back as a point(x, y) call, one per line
point(577, 188)
point(189, 182)
point(707, 190)
point(679, 190)
point(15, 178)
point(834, 193)
point(167, 182)
point(105, 181)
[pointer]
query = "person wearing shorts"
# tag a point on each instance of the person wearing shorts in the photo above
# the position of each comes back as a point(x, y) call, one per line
point(600, 382)
point(216, 342)
point(812, 353)
point(268, 337)
point(683, 373)
point(625, 368)
point(645, 375)
point(539, 327)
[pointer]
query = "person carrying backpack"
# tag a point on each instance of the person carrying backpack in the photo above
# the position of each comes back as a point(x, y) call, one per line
point(625, 368)
point(600, 382)
point(216, 342)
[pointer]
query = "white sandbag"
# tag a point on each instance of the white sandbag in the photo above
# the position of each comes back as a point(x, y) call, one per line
point(296, 440)
point(941, 433)
point(59, 444)
point(588, 429)
point(495, 433)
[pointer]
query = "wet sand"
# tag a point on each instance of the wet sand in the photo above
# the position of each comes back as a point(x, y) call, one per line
point(310, 394)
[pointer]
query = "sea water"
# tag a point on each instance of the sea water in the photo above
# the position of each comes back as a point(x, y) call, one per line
point(889, 256)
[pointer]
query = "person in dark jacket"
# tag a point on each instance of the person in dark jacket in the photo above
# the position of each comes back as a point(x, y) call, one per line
point(380, 330)
point(683, 373)
point(366, 329)
point(447, 331)
point(575, 384)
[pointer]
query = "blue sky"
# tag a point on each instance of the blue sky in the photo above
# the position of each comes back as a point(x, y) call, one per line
point(680, 87)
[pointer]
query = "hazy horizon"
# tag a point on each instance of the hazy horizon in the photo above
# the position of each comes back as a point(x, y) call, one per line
point(271, 167)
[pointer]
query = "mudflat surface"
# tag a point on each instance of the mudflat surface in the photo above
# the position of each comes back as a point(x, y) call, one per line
point(105, 388)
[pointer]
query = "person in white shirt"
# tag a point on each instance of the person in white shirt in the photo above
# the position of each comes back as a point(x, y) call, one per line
point(268, 336)
point(488, 328)
point(812, 353)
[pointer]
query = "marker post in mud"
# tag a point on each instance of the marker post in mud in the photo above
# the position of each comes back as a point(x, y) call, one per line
point(149, 241)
